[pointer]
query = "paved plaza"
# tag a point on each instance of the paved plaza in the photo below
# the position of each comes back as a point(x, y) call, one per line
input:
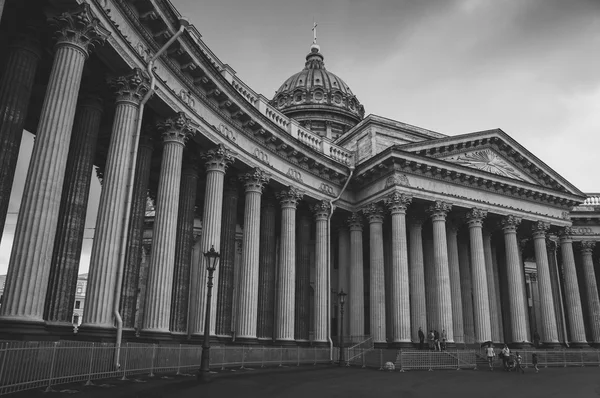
point(331, 381)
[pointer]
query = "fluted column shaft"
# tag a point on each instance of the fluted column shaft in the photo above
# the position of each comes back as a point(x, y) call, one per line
point(591, 289)
point(418, 306)
point(266, 269)
point(454, 269)
point(247, 307)
point(217, 161)
point(184, 243)
point(15, 91)
point(343, 268)
point(442, 296)
point(321, 211)
point(224, 324)
point(104, 259)
point(175, 132)
point(498, 314)
point(356, 292)
point(548, 325)
point(515, 281)
point(302, 299)
point(62, 282)
point(286, 277)
point(130, 290)
point(430, 282)
point(400, 286)
point(491, 286)
point(573, 299)
point(466, 291)
point(377, 289)
point(29, 265)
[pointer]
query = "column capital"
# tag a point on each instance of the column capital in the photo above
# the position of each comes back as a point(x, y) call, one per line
point(373, 212)
point(189, 167)
point(355, 222)
point(416, 220)
point(131, 87)
point(322, 210)
point(539, 229)
point(79, 28)
point(290, 197)
point(475, 217)
point(177, 129)
point(566, 234)
point(587, 246)
point(398, 202)
point(255, 180)
point(27, 41)
point(218, 159)
point(439, 210)
point(551, 244)
point(451, 227)
point(510, 223)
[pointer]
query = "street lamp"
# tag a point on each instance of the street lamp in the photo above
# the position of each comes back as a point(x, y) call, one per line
point(342, 297)
point(211, 265)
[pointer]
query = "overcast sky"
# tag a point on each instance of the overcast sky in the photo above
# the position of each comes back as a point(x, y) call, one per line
point(529, 67)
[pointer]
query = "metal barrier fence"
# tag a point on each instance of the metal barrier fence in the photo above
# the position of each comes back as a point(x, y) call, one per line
point(560, 358)
point(26, 365)
point(356, 353)
point(430, 360)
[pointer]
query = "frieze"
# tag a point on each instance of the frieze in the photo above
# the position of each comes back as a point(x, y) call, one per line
point(397, 179)
point(186, 96)
point(294, 174)
point(261, 155)
point(228, 133)
point(327, 189)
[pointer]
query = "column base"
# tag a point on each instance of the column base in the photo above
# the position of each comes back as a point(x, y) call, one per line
point(224, 339)
point(595, 344)
point(287, 343)
point(579, 344)
point(155, 336)
point(520, 345)
point(97, 333)
point(319, 344)
point(17, 328)
point(403, 344)
point(379, 345)
point(62, 330)
point(265, 340)
point(246, 340)
point(304, 343)
point(551, 345)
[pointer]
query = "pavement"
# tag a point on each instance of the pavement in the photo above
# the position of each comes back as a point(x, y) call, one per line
point(332, 381)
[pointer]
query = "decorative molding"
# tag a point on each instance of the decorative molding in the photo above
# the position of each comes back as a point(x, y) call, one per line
point(475, 217)
point(326, 189)
point(539, 229)
point(131, 87)
point(398, 202)
point(355, 221)
point(397, 179)
point(255, 180)
point(80, 28)
point(439, 210)
point(218, 158)
point(228, 133)
point(373, 212)
point(510, 223)
point(290, 197)
point(179, 128)
point(294, 174)
point(486, 160)
point(322, 210)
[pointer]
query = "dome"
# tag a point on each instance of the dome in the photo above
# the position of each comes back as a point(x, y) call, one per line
point(319, 99)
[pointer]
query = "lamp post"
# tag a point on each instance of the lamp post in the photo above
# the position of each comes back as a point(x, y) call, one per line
point(211, 265)
point(342, 297)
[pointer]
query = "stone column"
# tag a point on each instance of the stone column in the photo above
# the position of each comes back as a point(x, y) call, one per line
point(374, 213)
point(184, 244)
point(286, 277)
point(430, 283)
point(175, 132)
point(130, 290)
point(496, 272)
point(343, 268)
point(15, 91)
point(247, 307)
point(227, 260)
point(515, 281)
point(400, 286)
point(302, 298)
point(62, 282)
point(418, 306)
point(356, 291)
point(573, 299)
point(321, 211)
point(481, 304)
point(266, 268)
point(454, 268)
point(29, 265)
point(217, 161)
point(466, 291)
point(555, 279)
point(491, 287)
point(591, 290)
point(443, 297)
point(549, 330)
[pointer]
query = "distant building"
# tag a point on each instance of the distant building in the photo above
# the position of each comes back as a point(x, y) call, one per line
point(79, 299)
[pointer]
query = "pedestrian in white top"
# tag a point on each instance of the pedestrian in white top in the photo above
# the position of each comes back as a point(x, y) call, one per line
point(490, 355)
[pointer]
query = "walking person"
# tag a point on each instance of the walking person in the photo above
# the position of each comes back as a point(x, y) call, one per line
point(490, 353)
point(444, 338)
point(421, 338)
point(505, 356)
point(431, 337)
point(518, 361)
point(436, 340)
point(534, 361)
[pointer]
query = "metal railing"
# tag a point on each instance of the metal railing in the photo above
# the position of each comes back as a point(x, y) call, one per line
point(431, 360)
point(25, 364)
point(356, 353)
point(560, 358)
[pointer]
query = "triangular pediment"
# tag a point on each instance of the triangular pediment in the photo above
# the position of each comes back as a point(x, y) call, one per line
point(494, 152)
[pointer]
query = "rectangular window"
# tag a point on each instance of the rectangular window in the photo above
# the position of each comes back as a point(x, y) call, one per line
point(76, 320)
point(77, 304)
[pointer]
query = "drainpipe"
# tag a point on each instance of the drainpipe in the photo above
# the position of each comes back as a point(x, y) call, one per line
point(183, 24)
point(331, 208)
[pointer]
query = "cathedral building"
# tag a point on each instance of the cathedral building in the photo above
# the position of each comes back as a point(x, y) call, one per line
point(302, 195)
